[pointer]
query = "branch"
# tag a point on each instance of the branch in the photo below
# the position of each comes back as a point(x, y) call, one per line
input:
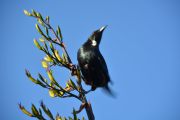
point(56, 59)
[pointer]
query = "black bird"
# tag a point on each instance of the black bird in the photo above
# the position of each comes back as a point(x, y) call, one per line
point(92, 64)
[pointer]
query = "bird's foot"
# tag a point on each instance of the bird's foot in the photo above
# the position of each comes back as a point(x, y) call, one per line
point(86, 92)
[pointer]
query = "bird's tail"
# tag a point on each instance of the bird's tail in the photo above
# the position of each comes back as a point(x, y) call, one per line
point(109, 91)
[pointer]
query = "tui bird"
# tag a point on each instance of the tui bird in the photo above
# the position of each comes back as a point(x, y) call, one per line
point(92, 64)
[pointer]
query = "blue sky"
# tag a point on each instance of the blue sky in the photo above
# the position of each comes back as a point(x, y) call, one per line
point(141, 46)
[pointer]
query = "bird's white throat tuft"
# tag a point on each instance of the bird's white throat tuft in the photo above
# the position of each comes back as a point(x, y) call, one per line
point(94, 43)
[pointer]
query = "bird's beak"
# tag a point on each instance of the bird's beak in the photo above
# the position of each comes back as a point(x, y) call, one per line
point(102, 28)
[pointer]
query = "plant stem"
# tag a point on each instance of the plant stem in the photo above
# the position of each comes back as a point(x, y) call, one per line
point(89, 110)
point(88, 107)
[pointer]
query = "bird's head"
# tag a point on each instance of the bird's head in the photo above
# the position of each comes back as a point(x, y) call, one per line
point(95, 38)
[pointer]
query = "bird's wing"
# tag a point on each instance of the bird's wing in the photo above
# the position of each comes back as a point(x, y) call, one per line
point(97, 72)
point(104, 69)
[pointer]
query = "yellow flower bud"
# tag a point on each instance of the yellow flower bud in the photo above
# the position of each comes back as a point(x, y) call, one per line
point(27, 13)
point(41, 39)
point(50, 75)
point(57, 55)
point(37, 44)
point(39, 30)
point(44, 64)
point(48, 59)
point(52, 93)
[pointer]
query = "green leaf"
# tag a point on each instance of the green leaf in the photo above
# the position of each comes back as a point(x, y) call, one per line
point(73, 85)
point(47, 19)
point(48, 58)
point(33, 80)
point(34, 110)
point(47, 31)
point(45, 46)
point(57, 55)
point(25, 111)
point(37, 44)
point(41, 84)
point(40, 22)
point(27, 13)
point(41, 32)
point(34, 13)
point(39, 29)
point(75, 115)
point(27, 73)
point(52, 47)
point(47, 111)
point(41, 39)
point(64, 58)
point(40, 112)
point(30, 77)
point(58, 117)
point(42, 78)
point(40, 16)
point(70, 118)
point(59, 32)
point(51, 77)
point(64, 118)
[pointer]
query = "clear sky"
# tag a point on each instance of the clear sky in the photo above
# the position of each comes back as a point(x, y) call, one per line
point(141, 47)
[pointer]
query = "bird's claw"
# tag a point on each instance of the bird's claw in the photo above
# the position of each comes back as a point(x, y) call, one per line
point(86, 92)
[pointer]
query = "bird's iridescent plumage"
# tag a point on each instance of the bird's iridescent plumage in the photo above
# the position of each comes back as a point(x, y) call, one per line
point(92, 63)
